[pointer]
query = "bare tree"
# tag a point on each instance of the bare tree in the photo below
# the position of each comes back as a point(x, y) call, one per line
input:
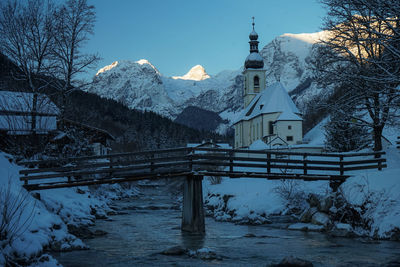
point(26, 38)
point(74, 24)
point(360, 57)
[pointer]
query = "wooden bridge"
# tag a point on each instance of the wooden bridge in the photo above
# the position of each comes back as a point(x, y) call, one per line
point(193, 164)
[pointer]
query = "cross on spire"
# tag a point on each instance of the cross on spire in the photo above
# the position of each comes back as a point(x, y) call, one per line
point(253, 23)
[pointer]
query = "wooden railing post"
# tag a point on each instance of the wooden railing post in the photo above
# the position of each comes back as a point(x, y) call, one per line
point(152, 162)
point(378, 156)
point(268, 162)
point(231, 161)
point(111, 166)
point(191, 152)
point(305, 163)
point(341, 165)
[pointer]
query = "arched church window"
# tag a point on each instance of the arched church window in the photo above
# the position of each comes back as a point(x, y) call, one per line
point(256, 84)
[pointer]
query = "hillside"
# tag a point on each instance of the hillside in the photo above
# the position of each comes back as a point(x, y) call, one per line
point(199, 119)
point(133, 129)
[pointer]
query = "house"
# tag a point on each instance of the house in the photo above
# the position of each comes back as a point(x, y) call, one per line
point(269, 113)
point(87, 139)
point(18, 122)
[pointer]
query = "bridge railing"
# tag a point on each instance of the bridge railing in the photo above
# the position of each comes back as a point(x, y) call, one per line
point(205, 161)
point(289, 162)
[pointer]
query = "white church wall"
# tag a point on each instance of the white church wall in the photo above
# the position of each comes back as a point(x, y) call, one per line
point(267, 118)
point(291, 129)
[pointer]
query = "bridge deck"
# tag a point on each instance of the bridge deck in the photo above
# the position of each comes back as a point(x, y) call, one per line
point(180, 162)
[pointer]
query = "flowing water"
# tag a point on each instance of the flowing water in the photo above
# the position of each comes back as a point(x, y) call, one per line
point(151, 224)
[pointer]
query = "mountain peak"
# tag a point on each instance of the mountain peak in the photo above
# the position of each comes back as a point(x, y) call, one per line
point(107, 68)
point(310, 38)
point(197, 73)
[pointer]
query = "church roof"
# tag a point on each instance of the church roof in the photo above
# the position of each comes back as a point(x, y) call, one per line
point(254, 61)
point(273, 99)
point(289, 116)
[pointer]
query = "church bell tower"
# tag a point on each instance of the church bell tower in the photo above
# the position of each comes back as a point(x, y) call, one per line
point(254, 72)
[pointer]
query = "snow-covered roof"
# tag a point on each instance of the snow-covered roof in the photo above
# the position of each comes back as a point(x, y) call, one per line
point(22, 102)
point(289, 116)
point(258, 145)
point(215, 145)
point(273, 99)
point(254, 57)
point(16, 117)
point(22, 124)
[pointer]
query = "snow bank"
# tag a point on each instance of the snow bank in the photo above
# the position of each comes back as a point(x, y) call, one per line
point(248, 200)
point(376, 194)
point(44, 223)
point(379, 194)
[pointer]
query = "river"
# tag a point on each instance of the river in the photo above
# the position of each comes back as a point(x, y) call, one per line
point(150, 223)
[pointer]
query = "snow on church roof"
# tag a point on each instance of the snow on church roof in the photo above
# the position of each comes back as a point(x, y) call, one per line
point(271, 100)
point(289, 116)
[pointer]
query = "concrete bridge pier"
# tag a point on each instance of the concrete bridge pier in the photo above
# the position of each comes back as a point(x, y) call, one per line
point(193, 211)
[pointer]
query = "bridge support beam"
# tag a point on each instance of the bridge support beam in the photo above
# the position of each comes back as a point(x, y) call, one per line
point(193, 211)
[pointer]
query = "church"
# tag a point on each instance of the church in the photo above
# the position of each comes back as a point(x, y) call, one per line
point(269, 113)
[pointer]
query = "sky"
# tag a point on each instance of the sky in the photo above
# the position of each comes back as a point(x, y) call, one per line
point(175, 35)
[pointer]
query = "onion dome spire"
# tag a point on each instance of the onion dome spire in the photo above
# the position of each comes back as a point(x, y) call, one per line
point(254, 60)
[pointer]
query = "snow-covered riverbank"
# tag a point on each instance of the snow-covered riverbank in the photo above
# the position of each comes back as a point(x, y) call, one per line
point(33, 223)
point(372, 197)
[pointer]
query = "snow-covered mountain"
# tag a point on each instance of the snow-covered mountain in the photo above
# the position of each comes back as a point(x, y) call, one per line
point(287, 59)
point(197, 73)
point(137, 85)
point(141, 86)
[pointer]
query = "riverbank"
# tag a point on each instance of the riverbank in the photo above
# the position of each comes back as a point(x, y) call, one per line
point(34, 223)
point(367, 204)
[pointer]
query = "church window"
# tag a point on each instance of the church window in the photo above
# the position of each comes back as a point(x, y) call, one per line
point(271, 127)
point(289, 138)
point(289, 127)
point(256, 84)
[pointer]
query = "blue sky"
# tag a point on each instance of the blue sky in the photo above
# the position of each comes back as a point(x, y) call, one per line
point(175, 35)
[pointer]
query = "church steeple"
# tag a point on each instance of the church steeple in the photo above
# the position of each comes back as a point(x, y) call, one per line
point(253, 40)
point(254, 60)
point(254, 72)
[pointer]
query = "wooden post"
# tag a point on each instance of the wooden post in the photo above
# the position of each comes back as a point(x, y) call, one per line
point(379, 163)
point(231, 161)
point(268, 162)
point(152, 163)
point(305, 163)
point(341, 165)
point(192, 210)
point(111, 167)
point(191, 153)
